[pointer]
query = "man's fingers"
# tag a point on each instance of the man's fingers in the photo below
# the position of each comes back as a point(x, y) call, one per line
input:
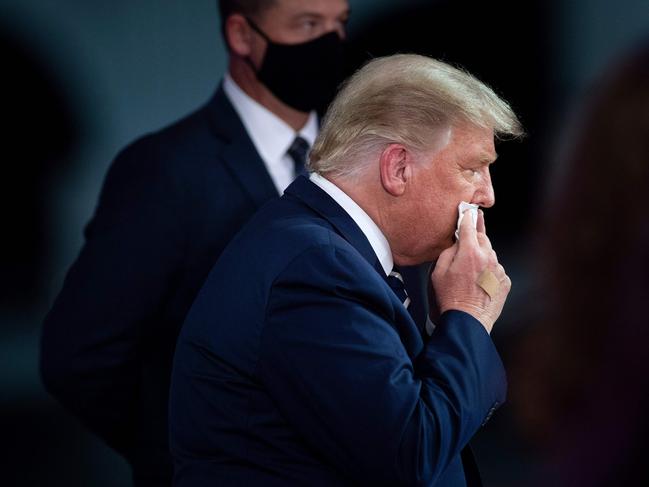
point(481, 227)
point(483, 240)
point(481, 233)
point(445, 258)
point(467, 230)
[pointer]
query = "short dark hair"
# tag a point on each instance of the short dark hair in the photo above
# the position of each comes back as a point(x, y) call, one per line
point(248, 8)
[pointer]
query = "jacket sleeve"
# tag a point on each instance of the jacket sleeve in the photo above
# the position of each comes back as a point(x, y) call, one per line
point(91, 341)
point(334, 362)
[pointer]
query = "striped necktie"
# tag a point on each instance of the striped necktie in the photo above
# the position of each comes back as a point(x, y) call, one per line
point(395, 280)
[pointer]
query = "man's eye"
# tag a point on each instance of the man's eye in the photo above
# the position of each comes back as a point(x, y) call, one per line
point(309, 24)
point(471, 174)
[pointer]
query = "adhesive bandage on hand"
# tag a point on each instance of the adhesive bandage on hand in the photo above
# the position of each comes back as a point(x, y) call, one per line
point(489, 283)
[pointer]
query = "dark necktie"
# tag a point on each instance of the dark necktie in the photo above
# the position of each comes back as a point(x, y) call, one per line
point(298, 152)
point(396, 283)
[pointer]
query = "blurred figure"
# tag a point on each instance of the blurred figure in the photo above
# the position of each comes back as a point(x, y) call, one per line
point(170, 203)
point(581, 380)
point(35, 107)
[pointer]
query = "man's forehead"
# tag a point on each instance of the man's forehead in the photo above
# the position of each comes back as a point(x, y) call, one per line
point(486, 156)
point(476, 142)
point(486, 153)
point(295, 8)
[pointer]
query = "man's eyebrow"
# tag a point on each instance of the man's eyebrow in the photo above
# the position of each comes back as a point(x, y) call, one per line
point(318, 15)
point(308, 14)
point(487, 158)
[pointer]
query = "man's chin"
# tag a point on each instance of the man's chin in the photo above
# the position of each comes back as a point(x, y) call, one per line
point(428, 256)
point(448, 242)
point(424, 256)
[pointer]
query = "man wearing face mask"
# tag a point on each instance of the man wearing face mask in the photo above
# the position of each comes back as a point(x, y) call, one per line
point(171, 202)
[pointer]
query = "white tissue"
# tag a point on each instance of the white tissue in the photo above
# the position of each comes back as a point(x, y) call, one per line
point(461, 208)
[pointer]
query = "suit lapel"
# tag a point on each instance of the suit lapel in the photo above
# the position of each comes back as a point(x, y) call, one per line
point(320, 202)
point(238, 152)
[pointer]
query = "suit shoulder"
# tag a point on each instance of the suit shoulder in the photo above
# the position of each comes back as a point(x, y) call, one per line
point(309, 238)
point(283, 222)
point(189, 135)
point(186, 151)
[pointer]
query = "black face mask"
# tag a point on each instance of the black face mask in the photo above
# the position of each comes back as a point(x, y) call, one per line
point(303, 76)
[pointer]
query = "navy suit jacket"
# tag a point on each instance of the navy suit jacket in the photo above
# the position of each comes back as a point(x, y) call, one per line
point(170, 204)
point(298, 365)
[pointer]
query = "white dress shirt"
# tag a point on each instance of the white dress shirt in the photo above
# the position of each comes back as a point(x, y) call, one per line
point(270, 135)
point(374, 235)
point(371, 231)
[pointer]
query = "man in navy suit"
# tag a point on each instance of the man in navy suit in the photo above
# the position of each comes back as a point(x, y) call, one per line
point(298, 363)
point(171, 202)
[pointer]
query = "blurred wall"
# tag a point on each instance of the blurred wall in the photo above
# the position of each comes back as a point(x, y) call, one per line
point(117, 70)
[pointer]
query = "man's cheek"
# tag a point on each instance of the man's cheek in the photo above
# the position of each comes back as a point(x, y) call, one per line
point(451, 226)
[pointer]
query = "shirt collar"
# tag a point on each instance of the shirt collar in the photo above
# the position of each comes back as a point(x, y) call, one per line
point(371, 231)
point(271, 135)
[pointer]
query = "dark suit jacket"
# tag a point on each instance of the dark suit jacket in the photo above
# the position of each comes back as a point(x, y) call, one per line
point(298, 365)
point(170, 204)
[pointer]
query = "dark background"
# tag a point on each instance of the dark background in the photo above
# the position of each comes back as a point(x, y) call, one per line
point(83, 78)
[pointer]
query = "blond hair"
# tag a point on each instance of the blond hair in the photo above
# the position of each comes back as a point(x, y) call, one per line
point(407, 99)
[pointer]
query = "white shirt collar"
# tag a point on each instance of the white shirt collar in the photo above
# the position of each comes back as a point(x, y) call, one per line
point(270, 135)
point(371, 231)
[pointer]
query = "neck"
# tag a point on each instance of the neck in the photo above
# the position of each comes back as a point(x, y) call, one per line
point(384, 210)
point(245, 78)
point(367, 195)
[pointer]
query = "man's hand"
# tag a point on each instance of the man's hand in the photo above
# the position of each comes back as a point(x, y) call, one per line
point(456, 274)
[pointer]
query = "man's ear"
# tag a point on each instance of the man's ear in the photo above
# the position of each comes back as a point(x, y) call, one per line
point(238, 35)
point(395, 168)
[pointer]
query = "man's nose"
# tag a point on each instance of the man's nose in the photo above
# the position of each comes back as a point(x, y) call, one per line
point(484, 195)
point(338, 28)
